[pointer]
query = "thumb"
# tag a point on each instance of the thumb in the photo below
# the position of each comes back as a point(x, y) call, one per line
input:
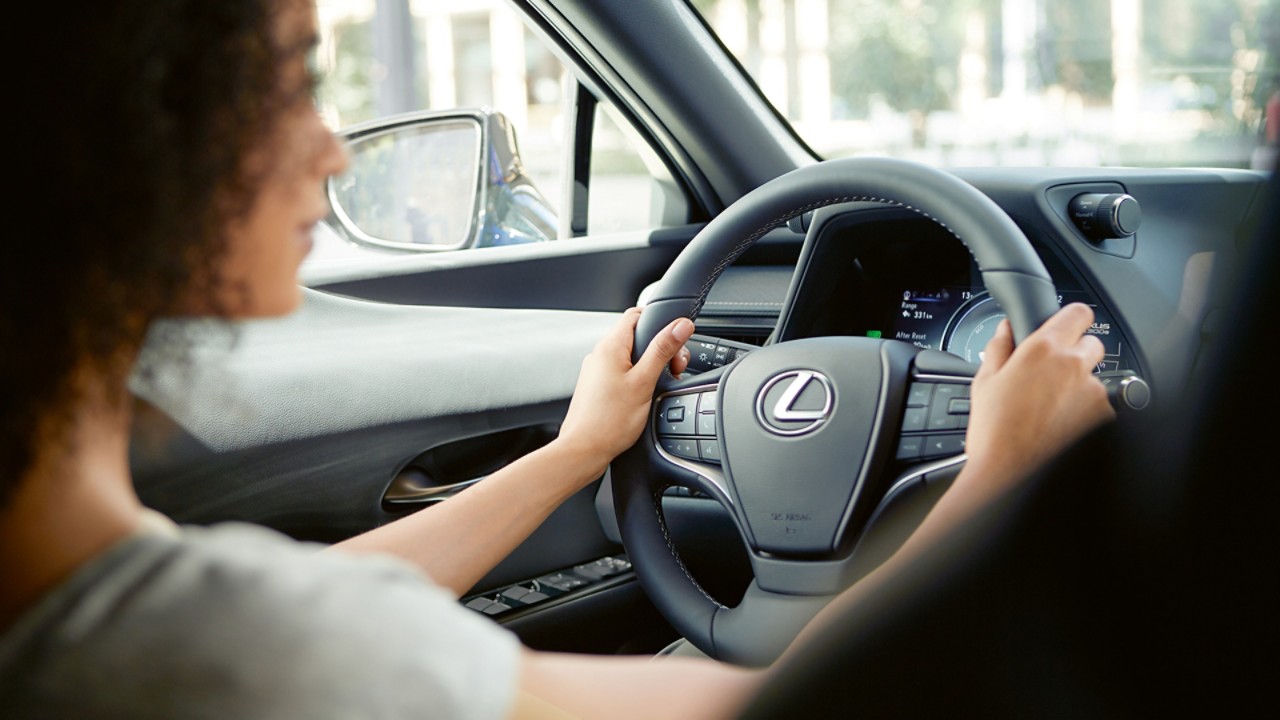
point(664, 347)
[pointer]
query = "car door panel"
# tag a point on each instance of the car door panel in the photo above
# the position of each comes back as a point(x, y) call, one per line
point(324, 488)
point(302, 423)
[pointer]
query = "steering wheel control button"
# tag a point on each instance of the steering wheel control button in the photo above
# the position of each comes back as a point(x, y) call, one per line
point(676, 413)
point(707, 402)
point(940, 420)
point(936, 446)
point(940, 417)
point(681, 448)
point(933, 407)
point(706, 424)
point(909, 447)
point(919, 394)
point(709, 450)
point(795, 402)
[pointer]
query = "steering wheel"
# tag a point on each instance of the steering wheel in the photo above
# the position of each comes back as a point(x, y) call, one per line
point(793, 439)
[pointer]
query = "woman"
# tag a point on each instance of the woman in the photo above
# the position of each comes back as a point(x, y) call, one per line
point(185, 179)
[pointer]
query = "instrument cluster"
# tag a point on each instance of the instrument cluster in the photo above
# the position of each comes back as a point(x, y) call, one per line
point(910, 280)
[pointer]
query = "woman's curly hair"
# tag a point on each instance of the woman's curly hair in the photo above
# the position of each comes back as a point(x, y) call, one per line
point(144, 112)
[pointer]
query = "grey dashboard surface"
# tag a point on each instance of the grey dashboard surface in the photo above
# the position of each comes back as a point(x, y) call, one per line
point(749, 290)
point(340, 364)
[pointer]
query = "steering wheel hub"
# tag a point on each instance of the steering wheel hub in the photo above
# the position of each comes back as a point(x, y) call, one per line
point(797, 422)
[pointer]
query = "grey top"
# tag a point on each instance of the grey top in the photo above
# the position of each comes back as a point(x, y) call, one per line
point(240, 622)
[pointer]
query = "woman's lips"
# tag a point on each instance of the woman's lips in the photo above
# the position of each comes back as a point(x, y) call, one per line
point(305, 236)
point(306, 231)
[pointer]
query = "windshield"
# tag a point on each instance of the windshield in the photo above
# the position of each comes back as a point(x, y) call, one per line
point(1018, 82)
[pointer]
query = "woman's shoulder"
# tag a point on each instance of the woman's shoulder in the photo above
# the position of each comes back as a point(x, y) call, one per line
point(240, 614)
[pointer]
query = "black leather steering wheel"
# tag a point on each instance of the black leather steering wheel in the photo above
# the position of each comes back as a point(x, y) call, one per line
point(791, 438)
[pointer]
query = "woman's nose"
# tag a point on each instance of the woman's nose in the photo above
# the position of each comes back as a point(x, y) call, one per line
point(334, 159)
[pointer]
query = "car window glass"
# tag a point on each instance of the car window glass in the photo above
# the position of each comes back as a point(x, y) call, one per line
point(631, 189)
point(1018, 82)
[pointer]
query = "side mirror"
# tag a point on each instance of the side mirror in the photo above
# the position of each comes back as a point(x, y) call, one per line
point(437, 181)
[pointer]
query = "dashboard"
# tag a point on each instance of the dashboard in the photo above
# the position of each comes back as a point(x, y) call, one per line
point(881, 273)
point(868, 269)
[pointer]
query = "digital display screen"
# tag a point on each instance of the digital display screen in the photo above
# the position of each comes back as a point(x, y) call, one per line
point(923, 315)
point(962, 320)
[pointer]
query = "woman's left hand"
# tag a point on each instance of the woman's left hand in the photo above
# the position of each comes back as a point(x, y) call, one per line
point(611, 402)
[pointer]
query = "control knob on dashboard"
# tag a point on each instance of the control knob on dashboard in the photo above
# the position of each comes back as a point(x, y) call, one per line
point(1125, 390)
point(1105, 215)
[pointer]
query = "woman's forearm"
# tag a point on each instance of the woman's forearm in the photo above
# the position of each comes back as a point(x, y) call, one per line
point(457, 541)
point(460, 540)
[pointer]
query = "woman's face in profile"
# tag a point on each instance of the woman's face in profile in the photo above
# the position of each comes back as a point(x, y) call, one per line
point(265, 248)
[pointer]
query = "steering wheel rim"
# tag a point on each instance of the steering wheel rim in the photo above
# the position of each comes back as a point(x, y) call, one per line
point(760, 626)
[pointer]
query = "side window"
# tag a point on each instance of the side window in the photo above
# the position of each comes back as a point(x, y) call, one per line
point(383, 58)
point(631, 189)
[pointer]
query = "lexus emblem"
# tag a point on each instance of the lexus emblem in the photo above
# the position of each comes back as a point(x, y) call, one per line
point(795, 402)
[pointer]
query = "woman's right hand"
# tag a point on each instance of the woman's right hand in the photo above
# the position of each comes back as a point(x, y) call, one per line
point(611, 402)
point(1032, 401)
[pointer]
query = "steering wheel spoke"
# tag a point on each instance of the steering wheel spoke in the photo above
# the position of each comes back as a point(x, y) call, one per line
point(684, 432)
point(936, 412)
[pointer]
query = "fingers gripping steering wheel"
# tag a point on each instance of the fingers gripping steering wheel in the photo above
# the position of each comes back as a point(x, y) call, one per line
point(792, 476)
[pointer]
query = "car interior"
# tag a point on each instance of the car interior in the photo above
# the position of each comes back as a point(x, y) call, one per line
point(1124, 578)
point(1130, 578)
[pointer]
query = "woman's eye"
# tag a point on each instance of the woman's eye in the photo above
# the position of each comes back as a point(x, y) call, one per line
point(314, 75)
point(303, 85)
